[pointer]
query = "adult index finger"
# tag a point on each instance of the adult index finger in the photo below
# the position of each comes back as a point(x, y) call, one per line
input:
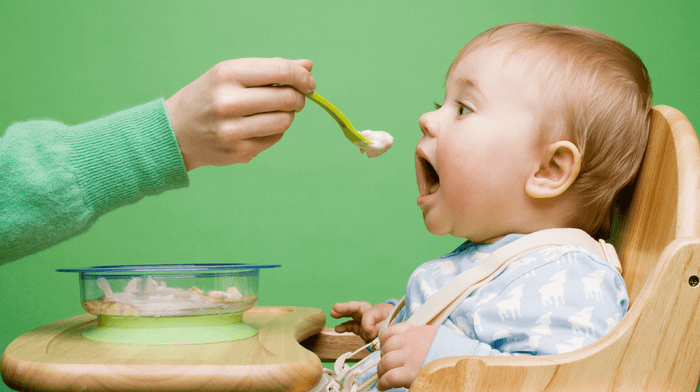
point(256, 72)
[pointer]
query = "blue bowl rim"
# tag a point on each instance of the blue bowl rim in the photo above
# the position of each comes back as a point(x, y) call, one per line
point(168, 268)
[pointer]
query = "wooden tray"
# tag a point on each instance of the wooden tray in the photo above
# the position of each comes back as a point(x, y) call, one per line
point(56, 357)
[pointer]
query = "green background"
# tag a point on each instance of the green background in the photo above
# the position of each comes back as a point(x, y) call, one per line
point(343, 227)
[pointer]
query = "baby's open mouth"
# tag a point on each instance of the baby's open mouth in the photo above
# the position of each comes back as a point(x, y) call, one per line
point(430, 177)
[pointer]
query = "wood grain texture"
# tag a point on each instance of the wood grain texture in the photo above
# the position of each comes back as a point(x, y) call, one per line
point(665, 200)
point(329, 345)
point(656, 347)
point(55, 357)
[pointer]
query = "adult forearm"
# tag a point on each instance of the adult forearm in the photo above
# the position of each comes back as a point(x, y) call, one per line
point(57, 180)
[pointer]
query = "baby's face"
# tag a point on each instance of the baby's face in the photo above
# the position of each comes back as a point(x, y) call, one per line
point(478, 149)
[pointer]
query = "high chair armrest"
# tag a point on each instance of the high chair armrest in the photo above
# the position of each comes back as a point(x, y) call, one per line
point(484, 374)
point(329, 345)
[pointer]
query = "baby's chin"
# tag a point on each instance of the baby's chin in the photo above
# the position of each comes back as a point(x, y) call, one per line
point(441, 228)
point(435, 226)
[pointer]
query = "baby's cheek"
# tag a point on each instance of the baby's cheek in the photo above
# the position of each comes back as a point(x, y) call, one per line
point(458, 191)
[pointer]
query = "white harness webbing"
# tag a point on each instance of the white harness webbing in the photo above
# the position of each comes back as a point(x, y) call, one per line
point(438, 307)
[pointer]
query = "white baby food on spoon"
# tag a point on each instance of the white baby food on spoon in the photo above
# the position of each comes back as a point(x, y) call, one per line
point(381, 143)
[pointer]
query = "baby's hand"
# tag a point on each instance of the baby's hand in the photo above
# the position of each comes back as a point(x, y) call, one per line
point(366, 319)
point(404, 348)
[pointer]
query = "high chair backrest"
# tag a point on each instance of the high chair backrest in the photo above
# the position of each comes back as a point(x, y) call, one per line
point(656, 346)
point(664, 205)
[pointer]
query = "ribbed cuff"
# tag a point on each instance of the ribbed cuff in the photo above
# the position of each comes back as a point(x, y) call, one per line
point(126, 156)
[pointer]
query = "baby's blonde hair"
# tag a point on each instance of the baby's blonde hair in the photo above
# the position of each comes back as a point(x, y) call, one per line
point(596, 93)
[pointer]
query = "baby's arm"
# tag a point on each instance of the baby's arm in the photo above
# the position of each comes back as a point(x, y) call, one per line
point(366, 318)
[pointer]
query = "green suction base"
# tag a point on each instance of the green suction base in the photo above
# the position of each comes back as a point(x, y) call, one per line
point(170, 330)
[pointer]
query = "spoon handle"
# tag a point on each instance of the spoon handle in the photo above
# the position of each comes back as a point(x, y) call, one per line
point(349, 131)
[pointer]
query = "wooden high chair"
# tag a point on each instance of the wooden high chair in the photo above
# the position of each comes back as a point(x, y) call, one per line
point(656, 346)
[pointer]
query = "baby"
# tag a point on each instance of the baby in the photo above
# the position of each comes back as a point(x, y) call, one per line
point(541, 127)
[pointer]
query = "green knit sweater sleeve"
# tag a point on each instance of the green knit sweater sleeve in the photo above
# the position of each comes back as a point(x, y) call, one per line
point(56, 180)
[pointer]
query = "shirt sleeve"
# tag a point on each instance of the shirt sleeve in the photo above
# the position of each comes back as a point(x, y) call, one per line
point(450, 343)
point(57, 179)
point(552, 301)
point(392, 301)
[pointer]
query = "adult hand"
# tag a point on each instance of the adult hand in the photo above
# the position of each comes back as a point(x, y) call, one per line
point(404, 347)
point(238, 108)
point(366, 319)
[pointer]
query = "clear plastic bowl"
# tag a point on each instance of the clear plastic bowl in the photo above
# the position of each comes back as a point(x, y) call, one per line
point(169, 289)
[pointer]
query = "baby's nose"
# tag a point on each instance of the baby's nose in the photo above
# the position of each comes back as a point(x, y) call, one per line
point(428, 124)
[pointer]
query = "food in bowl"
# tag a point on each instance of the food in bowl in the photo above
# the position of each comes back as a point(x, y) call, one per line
point(169, 290)
point(151, 297)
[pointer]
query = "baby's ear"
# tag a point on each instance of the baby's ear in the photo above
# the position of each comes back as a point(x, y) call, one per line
point(557, 171)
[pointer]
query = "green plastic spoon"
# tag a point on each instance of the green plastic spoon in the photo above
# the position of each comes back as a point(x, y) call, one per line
point(350, 133)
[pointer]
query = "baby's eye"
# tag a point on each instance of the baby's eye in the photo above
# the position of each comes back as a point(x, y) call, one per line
point(463, 110)
point(437, 106)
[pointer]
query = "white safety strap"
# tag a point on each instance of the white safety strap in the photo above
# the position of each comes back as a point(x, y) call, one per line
point(438, 307)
